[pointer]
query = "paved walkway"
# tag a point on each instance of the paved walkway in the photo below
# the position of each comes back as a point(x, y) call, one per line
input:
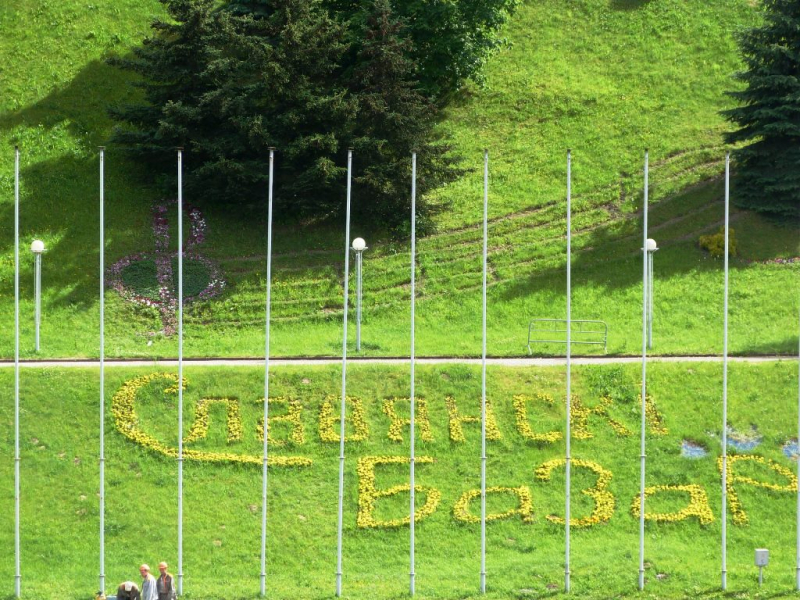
point(502, 362)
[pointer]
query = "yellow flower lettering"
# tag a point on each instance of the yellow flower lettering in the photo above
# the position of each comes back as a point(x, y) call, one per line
point(698, 505)
point(524, 508)
point(396, 423)
point(524, 427)
point(738, 514)
point(456, 422)
point(603, 499)
point(368, 493)
point(328, 430)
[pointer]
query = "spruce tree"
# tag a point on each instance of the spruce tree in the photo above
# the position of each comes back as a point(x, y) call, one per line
point(171, 65)
point(394, 118)
point(278, 84)
point(768, 167)
point(451, 40)
point(229, 82)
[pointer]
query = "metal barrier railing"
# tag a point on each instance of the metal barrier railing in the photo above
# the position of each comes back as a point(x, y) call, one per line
point(583, 331)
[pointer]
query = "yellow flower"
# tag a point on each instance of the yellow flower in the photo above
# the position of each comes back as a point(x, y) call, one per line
point(368, 493)
point(523, 426)
point(327, 420)
point(396, 424)
point(456, 421)
point(524, 509)
point(603, 499)
point(292, 416)
point(698, 505)
point(737, 511)
point(127, 423)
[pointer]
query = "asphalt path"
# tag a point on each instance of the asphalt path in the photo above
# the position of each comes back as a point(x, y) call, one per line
point(357, 360)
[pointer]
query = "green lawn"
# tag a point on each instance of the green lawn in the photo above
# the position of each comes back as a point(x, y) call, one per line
point(222, 501)
point(640, 74)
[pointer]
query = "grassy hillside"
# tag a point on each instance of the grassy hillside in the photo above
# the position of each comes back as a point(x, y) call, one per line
point(640, 74)
point(525, 557)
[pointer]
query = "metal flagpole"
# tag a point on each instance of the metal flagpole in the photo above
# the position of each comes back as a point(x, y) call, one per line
point(344, 379)
point(645, 313)
point(180, 371)
point(102, 375)
point(17, 576)
point(483, 371)
point(569, 373)
point(266, 383)
point(412, 577)
point(725, 391)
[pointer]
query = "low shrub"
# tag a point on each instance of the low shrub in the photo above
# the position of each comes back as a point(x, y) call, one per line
point(714, 243)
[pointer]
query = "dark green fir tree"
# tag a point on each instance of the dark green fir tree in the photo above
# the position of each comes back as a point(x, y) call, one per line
point(768, 166)
point(450, 41)
point(226, 83)
point(394, 119)
point(171, 66)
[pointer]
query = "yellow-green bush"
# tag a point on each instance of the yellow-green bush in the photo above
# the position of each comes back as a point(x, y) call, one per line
point(715, 243)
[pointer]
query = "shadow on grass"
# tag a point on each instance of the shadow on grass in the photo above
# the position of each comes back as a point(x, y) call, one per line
point(612, 259)
point(718, 593)
point(629, 4)
point(82, 105)
point(786, 347)
point(60, 202)
point(59, 198)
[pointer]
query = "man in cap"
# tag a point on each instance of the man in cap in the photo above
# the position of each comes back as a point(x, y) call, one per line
point(148, 584)
point(165, 583)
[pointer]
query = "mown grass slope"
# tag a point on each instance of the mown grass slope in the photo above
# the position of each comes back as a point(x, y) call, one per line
point(604, 77)
point(59, 446)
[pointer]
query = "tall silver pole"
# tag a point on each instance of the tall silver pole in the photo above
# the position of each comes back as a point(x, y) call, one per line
point(37, 294)
point(567, 512)
point(483, 369)
point(725, 391)
point(358, 302)
point(645, 313)
point(102, 375)
point(266, 383)
point(18, 575)
point(180, 371)
point(412, 576)
point(344, 378)
point(797, 570)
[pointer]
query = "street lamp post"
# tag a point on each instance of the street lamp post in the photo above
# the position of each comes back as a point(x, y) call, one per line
point(37, 247)
point(652, 247)
point(359, 245)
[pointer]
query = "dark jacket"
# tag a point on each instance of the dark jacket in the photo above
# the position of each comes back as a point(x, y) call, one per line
point(133, 594)
point(165, 586)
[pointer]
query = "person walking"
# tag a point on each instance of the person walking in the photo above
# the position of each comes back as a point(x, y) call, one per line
point(165, 583)
point(148, 584)
point(128, 591)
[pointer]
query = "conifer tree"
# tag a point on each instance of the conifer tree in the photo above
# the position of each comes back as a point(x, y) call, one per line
point(227, 85)
point(171, 65)
point(450, 40)
point(394, 118)
point(228, 80)
point(768, 167)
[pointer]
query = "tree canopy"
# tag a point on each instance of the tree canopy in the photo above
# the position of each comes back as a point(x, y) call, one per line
point(312, 78)
point(768, 166)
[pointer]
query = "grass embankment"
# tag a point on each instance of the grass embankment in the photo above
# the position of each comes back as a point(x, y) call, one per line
point(222, 501)
point(640, 74)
